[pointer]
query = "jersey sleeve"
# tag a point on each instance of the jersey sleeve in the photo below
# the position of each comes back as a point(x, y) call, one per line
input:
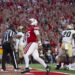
point(36, 30)
point(73, 31)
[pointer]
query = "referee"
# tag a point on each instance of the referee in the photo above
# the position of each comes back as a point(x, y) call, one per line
point(8, 47)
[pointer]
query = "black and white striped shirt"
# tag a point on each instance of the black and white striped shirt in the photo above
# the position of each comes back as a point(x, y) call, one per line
point(7, 35)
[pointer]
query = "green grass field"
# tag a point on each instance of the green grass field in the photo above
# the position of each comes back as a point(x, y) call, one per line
point(38, 66)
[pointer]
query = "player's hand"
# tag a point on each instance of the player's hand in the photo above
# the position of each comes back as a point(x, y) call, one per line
point(12, 47)
point(19, 37)
point(40, 47)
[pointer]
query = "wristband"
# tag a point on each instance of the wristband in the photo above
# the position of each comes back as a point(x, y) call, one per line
point(39, 43)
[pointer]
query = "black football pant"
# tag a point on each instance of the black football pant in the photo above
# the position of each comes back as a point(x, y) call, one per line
point(7, 49)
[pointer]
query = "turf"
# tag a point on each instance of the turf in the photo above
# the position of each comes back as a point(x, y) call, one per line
point(38, 66)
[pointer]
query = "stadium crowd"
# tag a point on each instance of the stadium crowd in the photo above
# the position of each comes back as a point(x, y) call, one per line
point(52, 16)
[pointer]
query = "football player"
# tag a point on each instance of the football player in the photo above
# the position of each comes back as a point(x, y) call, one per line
point(33, 43)
point(20, 42)
point(67, 36)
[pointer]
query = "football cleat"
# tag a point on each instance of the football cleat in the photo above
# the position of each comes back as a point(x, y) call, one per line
point(57, 67)
point(25, 70)
point(17, 69)
point(48, 70)
point(2, 70)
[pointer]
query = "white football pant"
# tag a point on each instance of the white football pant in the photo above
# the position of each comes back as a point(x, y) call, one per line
point(32, 49)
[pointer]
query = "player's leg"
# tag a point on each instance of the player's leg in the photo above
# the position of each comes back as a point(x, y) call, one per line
point(21, 52)
point(63, 55)
point(70, 54)
point(38, 59)
point(28, 51)
point(58, 62)
point(41, 61)
point(58, 59)
point(17, 50)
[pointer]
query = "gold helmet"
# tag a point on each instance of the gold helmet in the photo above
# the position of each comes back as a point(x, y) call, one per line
point(20, 27)
point(70, 27)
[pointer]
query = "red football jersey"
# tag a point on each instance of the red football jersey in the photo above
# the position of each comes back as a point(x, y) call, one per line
point(30, 35)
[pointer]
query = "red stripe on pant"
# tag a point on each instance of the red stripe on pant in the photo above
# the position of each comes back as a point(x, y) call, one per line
point(27, 48)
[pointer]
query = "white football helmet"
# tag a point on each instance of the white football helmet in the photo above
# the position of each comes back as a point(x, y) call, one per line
point(33, 21)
